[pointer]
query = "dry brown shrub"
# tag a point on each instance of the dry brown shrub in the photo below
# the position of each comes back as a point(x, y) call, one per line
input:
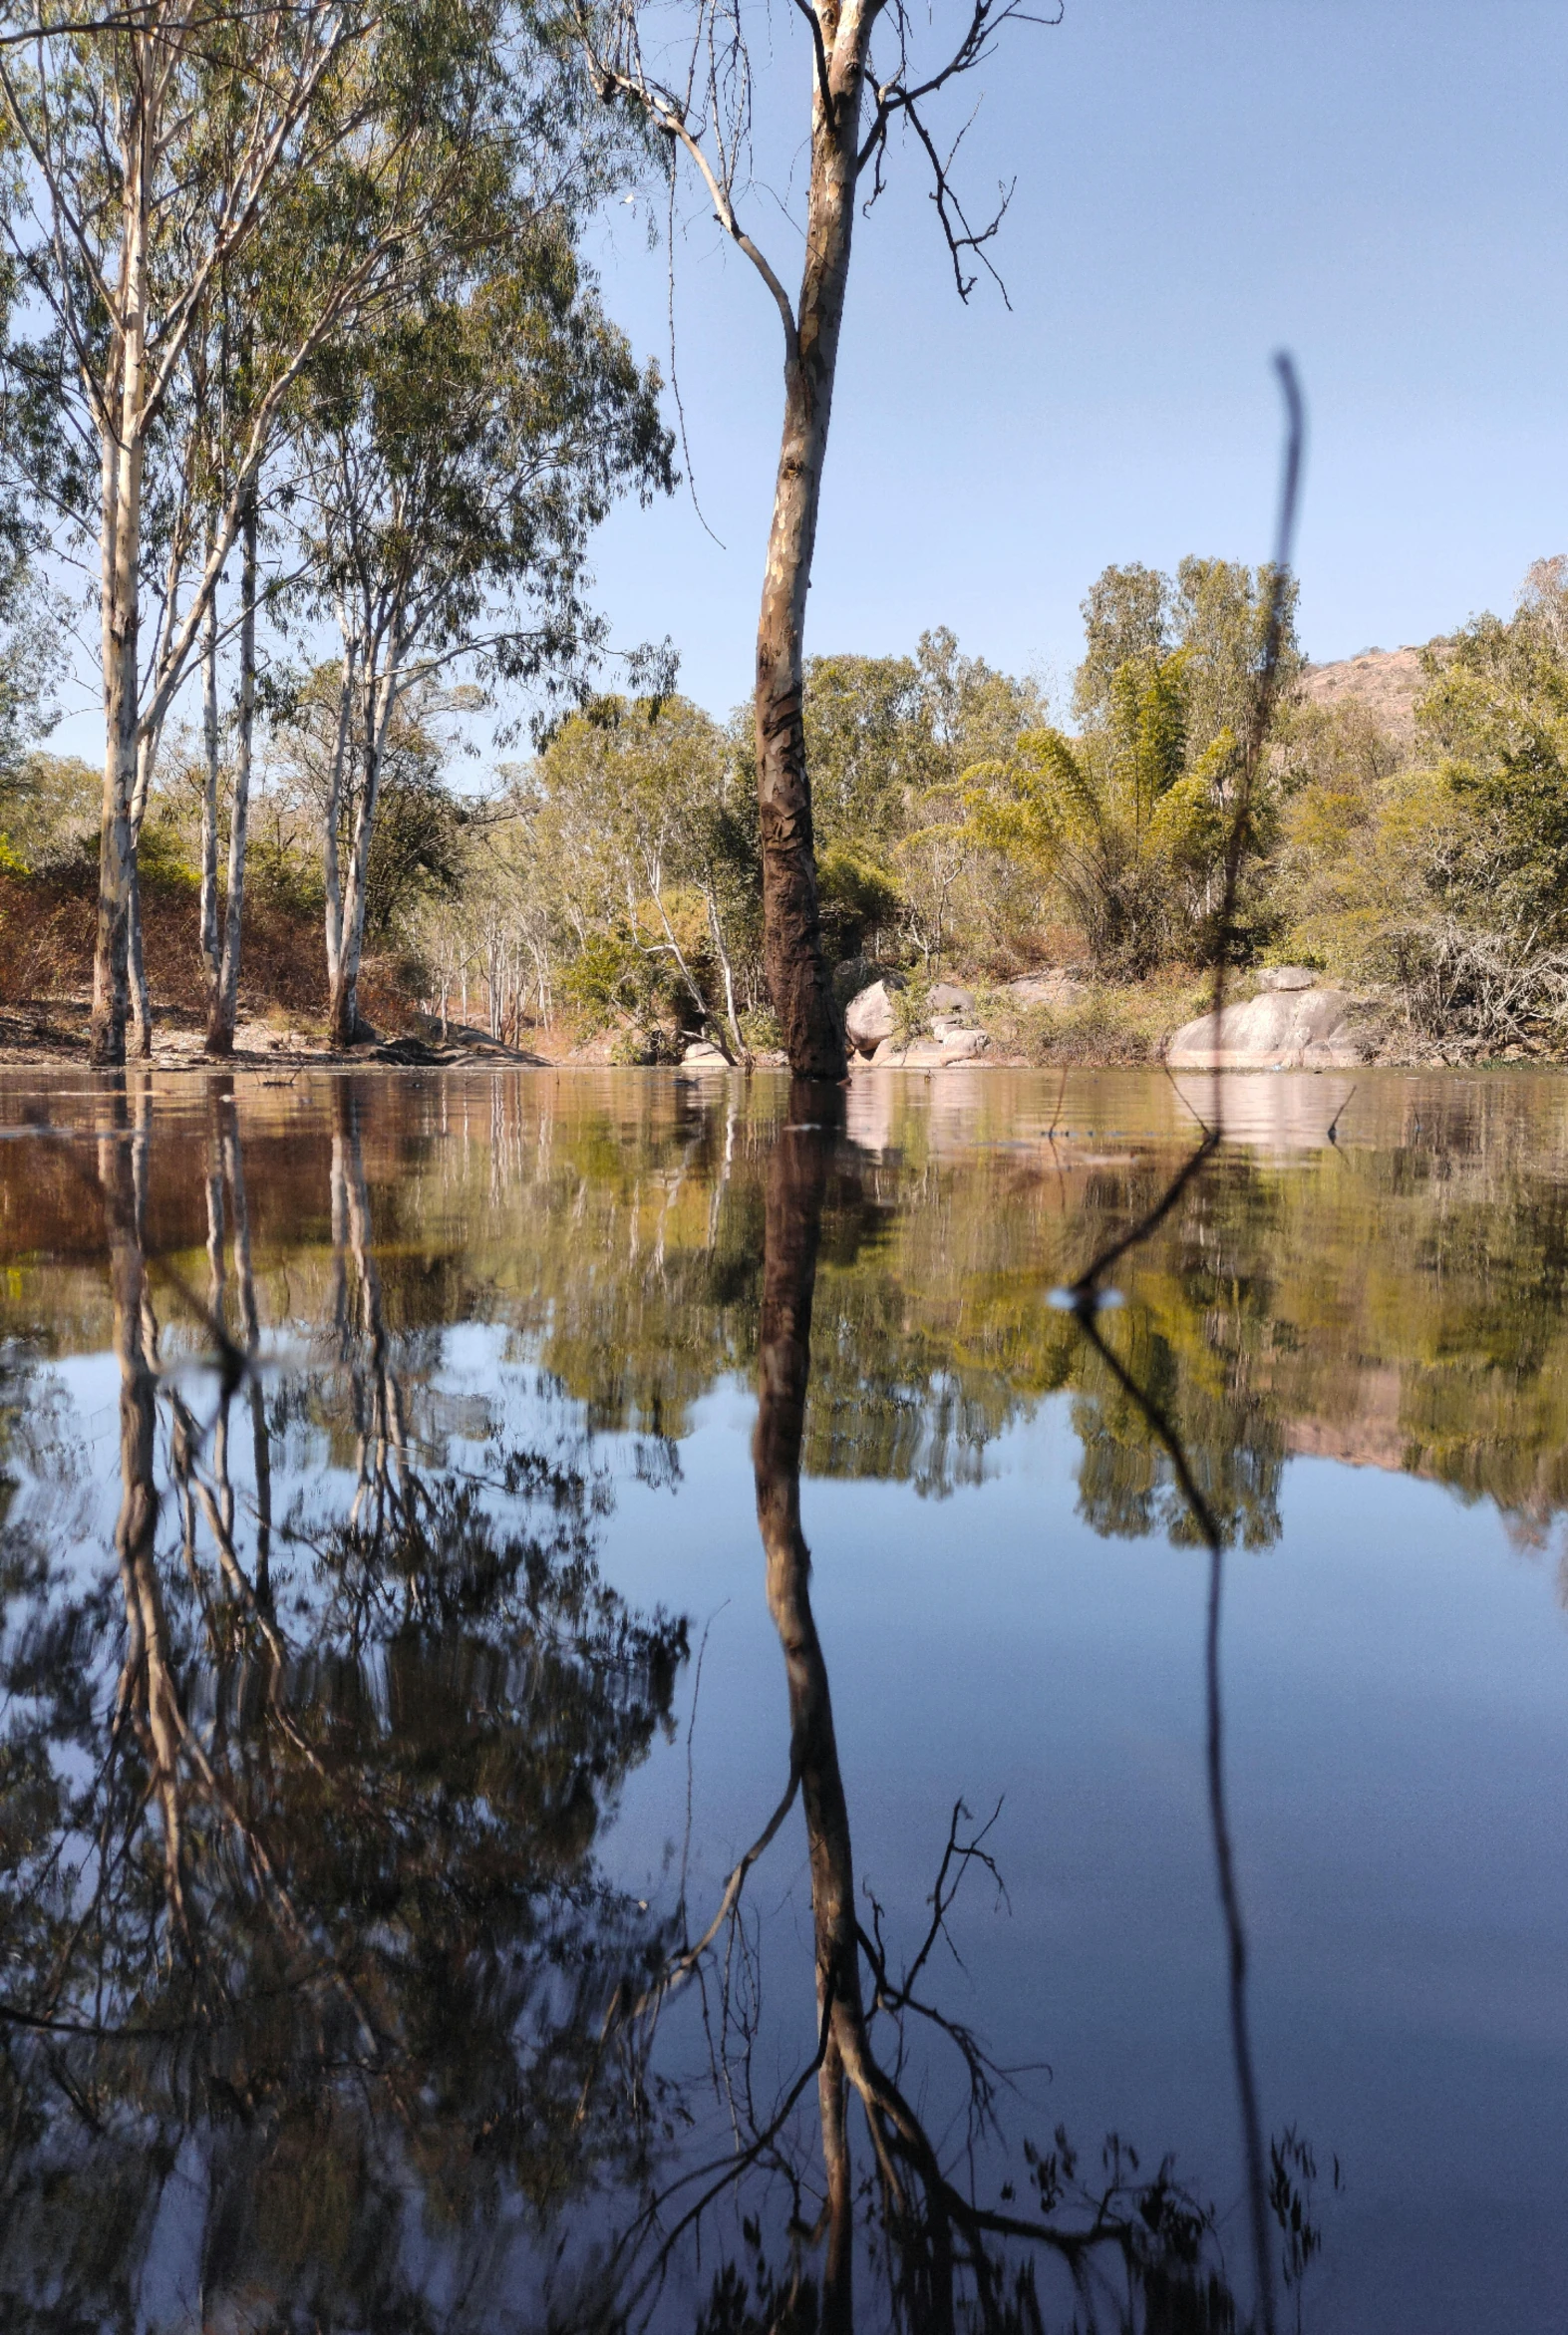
point(47, 931)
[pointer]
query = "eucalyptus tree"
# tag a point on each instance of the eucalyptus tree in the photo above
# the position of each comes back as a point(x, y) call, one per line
point(693, 87)
point(640, 801)
point(155, 150)
point(452, 467)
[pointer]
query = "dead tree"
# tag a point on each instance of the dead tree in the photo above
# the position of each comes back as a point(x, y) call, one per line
point(701, 103)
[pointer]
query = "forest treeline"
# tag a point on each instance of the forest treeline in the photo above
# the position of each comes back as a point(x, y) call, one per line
point(608, 885)
point(309, 410)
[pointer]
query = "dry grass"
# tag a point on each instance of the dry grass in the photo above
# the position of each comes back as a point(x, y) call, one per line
point(47, 931)
point(1104, 1026)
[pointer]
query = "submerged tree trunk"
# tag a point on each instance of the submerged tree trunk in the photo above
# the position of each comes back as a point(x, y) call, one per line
point(798, 977)
point(225, 1003)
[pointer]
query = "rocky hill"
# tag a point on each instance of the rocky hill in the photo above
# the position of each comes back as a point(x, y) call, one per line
point(1387, 681)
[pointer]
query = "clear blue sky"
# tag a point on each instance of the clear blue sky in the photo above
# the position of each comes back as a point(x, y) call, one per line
point(1378, 185)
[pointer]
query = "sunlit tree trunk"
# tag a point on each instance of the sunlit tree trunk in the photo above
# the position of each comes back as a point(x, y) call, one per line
point(211, 956)
point(381, 700)
point(798, 977)
point(121, 609)
point(225, 1005)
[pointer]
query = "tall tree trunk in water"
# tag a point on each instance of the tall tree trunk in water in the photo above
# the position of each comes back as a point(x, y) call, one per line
point(211, 956)
point(225, 1007)
point(797, 1181)
point(121, 609)
point(798, 978)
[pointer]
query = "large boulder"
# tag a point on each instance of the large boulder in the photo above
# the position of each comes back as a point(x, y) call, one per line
point(944, 997)
point(868, 1018)
point(852, 974)
point(1300, 1029)
point(1055, 987)
point(931, 1053)
point(1287, 977)
point(703, 1054)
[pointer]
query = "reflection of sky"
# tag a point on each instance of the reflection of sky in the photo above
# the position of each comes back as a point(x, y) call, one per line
point(1397, 1698)
point(1397, 1740)
point(1396, 1678)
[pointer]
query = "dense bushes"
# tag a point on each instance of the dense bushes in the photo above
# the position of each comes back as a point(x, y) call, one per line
point(1439, 870)
point(613, 881)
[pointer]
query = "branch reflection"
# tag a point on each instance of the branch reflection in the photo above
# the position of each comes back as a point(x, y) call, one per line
point(1122, 2249)
point(308, 1952)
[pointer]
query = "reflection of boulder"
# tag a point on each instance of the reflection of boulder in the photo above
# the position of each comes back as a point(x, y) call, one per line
point(869, 1018)
point(1288, 1113)
point(1283, 1029)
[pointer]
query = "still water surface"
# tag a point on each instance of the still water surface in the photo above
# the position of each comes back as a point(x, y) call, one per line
point(409, 1633)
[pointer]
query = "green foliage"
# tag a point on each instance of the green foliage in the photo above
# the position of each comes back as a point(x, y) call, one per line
point(866, 746)
point(415, 850)
point(49, 807)
point(609, 976)
point(859, 901)
point(459, 456)
point(1127, 824)
point(1441, 875)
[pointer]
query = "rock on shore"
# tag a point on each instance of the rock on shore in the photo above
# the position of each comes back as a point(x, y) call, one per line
point(1295, 1028)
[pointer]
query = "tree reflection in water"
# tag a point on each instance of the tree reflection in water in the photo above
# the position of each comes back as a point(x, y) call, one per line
point(318, 2010)
point(307, 1957)
point(1129, 2251)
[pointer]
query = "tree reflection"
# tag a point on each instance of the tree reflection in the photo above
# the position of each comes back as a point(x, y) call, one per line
point(1127, 2250)
point(317, 2008)
point(306, 1952)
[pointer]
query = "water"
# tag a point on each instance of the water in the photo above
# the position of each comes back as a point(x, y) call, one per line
point(404, 1645)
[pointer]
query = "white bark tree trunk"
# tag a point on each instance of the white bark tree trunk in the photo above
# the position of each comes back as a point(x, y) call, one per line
point(381, 704)
point(220, 1026)
point(210, 956)
point(121, 611)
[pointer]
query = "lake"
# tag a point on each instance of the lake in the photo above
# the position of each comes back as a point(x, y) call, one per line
point(628, 1702)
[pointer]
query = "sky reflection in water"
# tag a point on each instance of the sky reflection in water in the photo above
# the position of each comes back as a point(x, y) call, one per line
point(385, 1716)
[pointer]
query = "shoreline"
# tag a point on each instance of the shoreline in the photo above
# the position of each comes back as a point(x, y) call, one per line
point(30, 1039)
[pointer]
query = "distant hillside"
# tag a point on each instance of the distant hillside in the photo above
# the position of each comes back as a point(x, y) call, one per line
point(1387, 681)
